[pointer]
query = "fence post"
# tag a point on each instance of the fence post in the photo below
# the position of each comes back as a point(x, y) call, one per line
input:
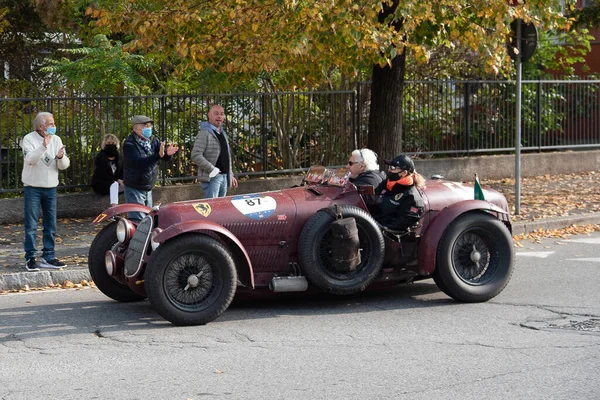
point(466, 116)
point(538, 114)
point(356, 114)
point(161, 112)
point(2, 152)
point(263, 139)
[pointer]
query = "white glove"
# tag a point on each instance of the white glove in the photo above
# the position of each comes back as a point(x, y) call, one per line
point(214, 172)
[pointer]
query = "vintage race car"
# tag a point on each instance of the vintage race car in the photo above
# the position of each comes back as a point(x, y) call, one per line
point(190, 258)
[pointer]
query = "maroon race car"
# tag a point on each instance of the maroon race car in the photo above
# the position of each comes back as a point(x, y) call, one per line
point(189, 258)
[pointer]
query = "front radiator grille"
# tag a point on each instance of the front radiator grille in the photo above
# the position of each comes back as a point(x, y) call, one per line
point(137, 247)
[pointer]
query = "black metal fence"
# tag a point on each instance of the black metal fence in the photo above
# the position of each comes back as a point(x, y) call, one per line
point(274, 133)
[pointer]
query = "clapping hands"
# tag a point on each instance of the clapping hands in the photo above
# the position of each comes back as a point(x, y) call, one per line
point(47, 140)
point(172, 149)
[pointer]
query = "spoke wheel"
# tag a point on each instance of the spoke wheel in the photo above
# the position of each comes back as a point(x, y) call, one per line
point(190, 282)
point(474, 258)
point(191, 279)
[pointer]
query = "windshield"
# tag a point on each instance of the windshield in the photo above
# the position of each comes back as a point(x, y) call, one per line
point(318, 174)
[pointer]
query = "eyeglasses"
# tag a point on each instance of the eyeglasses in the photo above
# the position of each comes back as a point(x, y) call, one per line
point(394, 168)
point(351, 163)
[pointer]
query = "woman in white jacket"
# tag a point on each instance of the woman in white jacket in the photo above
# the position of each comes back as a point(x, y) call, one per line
point(44, 154)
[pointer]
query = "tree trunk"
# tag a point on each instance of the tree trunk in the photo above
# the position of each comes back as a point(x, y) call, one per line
point(385, 115)
point(387, 85)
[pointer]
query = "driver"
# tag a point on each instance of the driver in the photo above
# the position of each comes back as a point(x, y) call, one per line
point(399, 204)
point(364, 170)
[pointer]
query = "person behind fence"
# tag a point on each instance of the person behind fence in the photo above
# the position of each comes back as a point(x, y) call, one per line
point(140, 158)
point(399, 204)
point(44, 155)
point(364, 170)
point(212, 155)
point(108, 169)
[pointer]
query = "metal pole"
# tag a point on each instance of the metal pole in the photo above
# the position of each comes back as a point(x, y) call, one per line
point(467, 116)
point(518, 127)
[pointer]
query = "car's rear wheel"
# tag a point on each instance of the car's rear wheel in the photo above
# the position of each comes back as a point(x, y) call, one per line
point(106, 240)
point(191, 279)
point(474, 258)
point(315, 248)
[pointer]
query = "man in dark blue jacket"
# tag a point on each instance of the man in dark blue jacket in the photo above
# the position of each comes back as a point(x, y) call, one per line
point(140, 158)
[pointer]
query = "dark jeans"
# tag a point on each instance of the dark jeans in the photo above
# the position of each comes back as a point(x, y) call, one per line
point(34, 198)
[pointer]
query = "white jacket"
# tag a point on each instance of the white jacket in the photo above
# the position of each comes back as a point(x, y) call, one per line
point(40, 167)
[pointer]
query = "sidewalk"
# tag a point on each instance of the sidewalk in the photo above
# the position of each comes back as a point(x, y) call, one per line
point(547, 203)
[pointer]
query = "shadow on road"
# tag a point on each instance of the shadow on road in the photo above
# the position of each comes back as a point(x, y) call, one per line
point(87, 317)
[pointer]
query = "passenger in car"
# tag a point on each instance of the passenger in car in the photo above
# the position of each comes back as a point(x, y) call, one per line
point(399, 204)
point(364, 170)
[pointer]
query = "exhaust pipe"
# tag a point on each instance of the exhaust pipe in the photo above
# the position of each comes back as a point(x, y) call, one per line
point(288, 284)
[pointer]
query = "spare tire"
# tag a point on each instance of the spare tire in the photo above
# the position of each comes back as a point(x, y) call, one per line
point(314, 251)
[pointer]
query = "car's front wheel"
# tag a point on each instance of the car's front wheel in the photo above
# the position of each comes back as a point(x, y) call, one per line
point(106, 240)
point(474, 258)
point(191, 279)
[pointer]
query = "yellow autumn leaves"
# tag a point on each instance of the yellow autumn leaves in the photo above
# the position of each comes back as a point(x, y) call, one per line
point(311, 36)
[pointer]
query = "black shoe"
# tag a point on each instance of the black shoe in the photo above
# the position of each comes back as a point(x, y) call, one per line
point(32, 265)
point(54, 263)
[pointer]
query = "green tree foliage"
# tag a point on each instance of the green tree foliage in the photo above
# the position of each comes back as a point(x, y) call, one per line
point(104, 68)
point(589, 16)
point(301, 41)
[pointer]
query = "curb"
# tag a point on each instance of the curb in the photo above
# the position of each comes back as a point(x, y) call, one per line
point(41, 279)
point(555, 223)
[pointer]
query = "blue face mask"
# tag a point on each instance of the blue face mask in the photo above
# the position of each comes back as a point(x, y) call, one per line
point(147, 132)
point(51, 130)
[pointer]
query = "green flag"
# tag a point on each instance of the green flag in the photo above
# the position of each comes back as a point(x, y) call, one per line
point(478, 192)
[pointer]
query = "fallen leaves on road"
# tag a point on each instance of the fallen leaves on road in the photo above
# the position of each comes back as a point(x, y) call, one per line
point(563, 233)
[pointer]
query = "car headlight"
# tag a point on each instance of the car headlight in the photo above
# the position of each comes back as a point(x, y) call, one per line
point(109, 262)
point(153, 243)
point(125, 230)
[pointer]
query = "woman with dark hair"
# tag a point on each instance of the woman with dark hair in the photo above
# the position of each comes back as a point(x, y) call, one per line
point(108, 169)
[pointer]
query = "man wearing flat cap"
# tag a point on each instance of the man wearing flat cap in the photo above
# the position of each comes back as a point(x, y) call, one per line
point(140, 158)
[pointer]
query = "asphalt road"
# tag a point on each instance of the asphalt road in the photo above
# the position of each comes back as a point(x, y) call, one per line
point(539, 339)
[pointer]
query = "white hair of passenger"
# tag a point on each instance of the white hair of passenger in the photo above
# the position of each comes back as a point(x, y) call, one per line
point(368, 157)
point(40, 120)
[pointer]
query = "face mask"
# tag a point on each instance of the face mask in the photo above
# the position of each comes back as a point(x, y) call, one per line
point(110, 150)
point(392, 177)
point(51, 130)
point(147, 132)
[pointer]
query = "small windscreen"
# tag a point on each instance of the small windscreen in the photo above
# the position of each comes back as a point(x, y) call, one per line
point(339, 177)
point(317, 174)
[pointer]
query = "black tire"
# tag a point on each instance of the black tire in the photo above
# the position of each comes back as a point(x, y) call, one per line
point(314, 252)
point(106, 240)
point(474, 258)
point(173, 293)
